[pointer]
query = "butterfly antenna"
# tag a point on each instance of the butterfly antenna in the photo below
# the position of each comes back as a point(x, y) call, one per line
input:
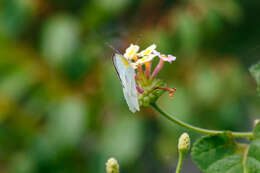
point(139, 39)
point(109, 45)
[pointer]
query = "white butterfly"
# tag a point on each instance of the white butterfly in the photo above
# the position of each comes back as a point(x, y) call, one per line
point(126, 73)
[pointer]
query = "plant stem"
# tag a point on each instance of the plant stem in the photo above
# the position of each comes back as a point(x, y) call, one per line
point(197, 129)
point(178, 169)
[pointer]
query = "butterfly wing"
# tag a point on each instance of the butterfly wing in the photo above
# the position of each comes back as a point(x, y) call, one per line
point(130, 91)
point(126, 74)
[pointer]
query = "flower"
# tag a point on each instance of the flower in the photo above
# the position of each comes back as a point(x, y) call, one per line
point(163, 57)
point(139, 88)
point(148, 51)
point(131, 51)
point(146, 55)
point(146, 58)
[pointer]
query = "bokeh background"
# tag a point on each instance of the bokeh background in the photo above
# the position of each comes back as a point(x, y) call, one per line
point(61, 103)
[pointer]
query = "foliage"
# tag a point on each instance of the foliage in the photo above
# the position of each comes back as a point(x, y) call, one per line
point(221, 153)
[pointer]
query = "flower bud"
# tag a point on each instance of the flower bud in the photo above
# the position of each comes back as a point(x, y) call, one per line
point(150, 94)
point(112, 166)
point(184, 143)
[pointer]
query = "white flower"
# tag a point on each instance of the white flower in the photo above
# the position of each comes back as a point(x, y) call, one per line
point(131, 51)
point(146, 55)
point(145, 59)
point(148, 51)
point(163, 57)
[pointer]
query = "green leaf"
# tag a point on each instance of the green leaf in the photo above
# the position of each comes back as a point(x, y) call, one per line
point(257, 130)
point(221, 154)
point(230, 164)
point(253, 156)
point(218, 154)
point(255, 72)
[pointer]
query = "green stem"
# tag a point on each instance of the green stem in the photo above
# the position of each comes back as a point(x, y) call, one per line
point(197, 129)
point(178, 169)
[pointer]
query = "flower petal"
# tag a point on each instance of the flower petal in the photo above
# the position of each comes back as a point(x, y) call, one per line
point(163, 57)
point(168, 58)
point(145, 59)
point(131, 51)
point(148, 51)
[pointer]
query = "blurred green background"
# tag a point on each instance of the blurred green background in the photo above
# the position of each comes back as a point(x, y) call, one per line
point(61, 104)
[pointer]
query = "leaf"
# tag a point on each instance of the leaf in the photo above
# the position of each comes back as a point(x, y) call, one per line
point(221, 154)
point(255, 72)
point(253, 156)
point(257, 130)
point(218, 154)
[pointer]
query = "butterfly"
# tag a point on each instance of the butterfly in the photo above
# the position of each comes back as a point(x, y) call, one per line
point(126, 73)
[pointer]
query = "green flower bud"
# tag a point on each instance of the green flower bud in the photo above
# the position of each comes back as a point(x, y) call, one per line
point(112, 166)
point(140, 103)
point(184, 143)
point(150, 94)
point(146, 101)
